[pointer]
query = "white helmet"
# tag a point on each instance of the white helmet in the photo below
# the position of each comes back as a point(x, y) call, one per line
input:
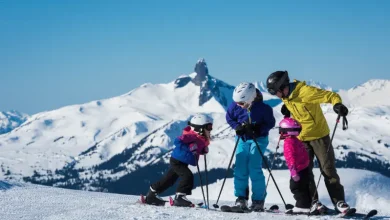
point(200, 121)
point(244, 92)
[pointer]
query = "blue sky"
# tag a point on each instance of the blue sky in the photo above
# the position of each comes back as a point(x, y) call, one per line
point(57, 53)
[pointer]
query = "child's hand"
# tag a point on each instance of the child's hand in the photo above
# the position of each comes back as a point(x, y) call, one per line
point(205, 150)
point(296, 178)
point(240, 130)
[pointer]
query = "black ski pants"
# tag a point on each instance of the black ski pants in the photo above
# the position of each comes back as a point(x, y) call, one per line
point(301, 189)
point(176, 170)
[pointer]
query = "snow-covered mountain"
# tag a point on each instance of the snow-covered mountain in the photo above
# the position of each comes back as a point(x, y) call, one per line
point(10, 120)
point(120, 144)
point(372, 93)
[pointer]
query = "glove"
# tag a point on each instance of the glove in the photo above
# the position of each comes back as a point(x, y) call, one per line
point(285, 111)
point(240, 130)
point(339, 108)
point(296, 178)
point(249, 129)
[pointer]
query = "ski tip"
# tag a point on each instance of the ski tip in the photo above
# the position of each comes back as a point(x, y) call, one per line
point(289, 206)
point(142, 199)
point(171, 202)
point(371, 213)
point(274, 207)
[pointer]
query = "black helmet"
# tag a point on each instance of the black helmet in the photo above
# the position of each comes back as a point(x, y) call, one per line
point(277, 81)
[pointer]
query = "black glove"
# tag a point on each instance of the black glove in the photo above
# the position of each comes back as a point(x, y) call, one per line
point(285, 111)
point(240, 130)
point(249, 129)
point(339, 108)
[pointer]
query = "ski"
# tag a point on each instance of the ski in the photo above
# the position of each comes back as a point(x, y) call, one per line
point(142, 200)
point(370, 214)
point(348, 213)
point(357, 215)
point(237, 209)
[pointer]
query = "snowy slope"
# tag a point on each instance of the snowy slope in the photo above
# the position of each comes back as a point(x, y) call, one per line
point(105, 144)
point(10, 120)
point(366, 190)
point(363, 189)
point(370, 94)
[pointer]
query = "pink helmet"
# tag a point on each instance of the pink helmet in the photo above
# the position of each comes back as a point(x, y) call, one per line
point(289, 127)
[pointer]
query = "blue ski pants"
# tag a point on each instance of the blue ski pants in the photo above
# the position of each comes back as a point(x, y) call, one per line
point(249, 165)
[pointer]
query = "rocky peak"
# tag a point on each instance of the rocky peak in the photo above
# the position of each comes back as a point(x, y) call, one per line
point(201, 71)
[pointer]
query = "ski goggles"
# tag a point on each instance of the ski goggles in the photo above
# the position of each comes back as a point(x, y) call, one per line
point(208, 127)
point(285, 130)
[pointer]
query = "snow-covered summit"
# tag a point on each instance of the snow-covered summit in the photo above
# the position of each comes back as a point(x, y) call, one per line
point(372, 93)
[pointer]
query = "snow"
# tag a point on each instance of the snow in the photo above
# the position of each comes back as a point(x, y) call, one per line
point(10, 120)
point(369, 94)
point(364, 189)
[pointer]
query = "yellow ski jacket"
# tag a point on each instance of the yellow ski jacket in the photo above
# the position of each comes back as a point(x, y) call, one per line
point(304, 106)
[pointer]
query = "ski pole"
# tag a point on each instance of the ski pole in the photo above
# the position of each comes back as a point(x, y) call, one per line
point(287, 206)
point(207, 182)
point(272, 165)
point(227, 171)
point(201, 184)
point(327, 151)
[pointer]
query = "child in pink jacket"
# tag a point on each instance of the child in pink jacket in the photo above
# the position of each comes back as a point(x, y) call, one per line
point(297, 160)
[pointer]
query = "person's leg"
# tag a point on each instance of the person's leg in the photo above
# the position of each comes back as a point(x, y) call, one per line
point(241, 173)
point(163, 184)
point(167, 180)
point(255, 169)
point(186, 178)
point(312, 182)
point(302, 191)
point(185, 185)
point(327, 161)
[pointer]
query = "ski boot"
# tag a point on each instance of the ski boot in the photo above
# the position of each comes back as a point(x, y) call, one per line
point(153, 199)
point(317, 208)
point(257, 206)
point(181, 200)
point(241, 205)
point(342, 207)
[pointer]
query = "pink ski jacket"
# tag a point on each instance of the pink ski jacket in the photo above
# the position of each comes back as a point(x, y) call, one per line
point(295, 154)
point(197, 143)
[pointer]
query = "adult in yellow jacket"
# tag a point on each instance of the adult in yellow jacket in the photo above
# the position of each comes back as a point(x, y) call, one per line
point(303, 103)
